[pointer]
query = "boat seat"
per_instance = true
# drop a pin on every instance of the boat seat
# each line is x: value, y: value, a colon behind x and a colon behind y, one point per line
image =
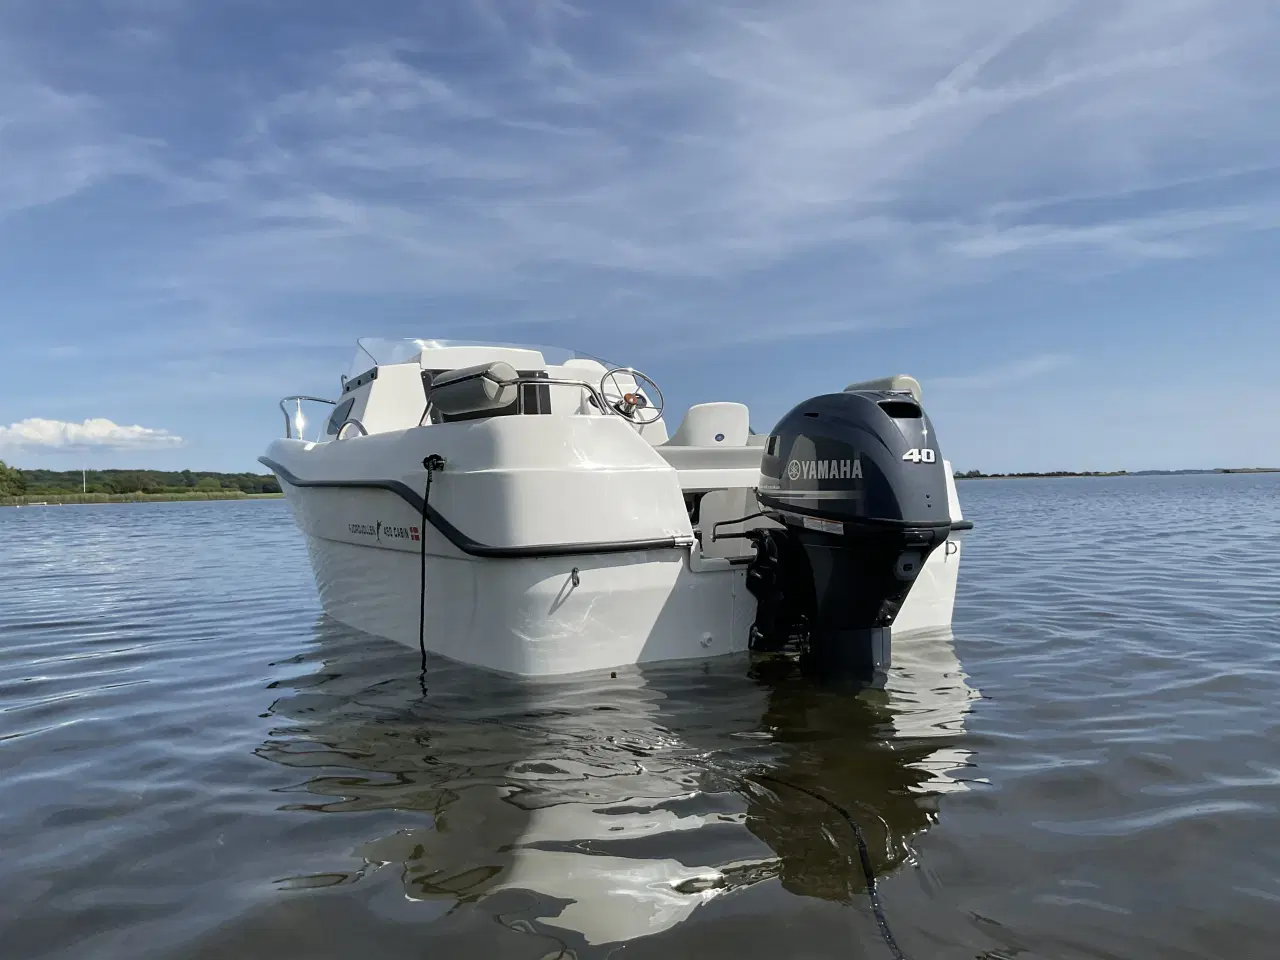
x: 898, y: 383
x: 713, y: 425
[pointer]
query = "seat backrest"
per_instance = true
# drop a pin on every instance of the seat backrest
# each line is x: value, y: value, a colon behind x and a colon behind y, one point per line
x: 720, y: 424
x: 899, y: 382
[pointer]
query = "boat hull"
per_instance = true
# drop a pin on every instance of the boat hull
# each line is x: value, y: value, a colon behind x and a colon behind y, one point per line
x: 542, y: 616
x: 530, y: 616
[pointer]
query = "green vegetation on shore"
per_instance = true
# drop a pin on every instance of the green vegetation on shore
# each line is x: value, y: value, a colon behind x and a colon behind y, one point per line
x: 56, y: 499
x: 19, y: 486
x: 979, y: 475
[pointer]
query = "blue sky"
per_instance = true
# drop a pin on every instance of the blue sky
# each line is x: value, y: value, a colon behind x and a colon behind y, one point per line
x: 1061, y: 217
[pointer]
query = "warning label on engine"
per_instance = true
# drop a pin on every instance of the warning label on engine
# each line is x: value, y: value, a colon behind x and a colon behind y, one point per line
x: 825, y: 526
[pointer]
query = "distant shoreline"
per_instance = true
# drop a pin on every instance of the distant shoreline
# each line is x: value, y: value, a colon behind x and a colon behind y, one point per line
x: 75, y: 499
x: 72, y: 499
x: 977, y: 475
x: 20, y: 487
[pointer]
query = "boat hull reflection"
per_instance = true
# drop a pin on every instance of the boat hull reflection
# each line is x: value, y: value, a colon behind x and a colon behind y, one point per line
x: 606, y: 808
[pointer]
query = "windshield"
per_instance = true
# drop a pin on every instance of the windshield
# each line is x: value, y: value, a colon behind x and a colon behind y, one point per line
x: 380, y: 351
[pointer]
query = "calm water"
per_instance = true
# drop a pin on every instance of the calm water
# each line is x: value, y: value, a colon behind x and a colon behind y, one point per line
x: 196, y: 764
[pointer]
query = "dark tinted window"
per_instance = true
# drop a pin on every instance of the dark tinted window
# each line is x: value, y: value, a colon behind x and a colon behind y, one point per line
x: 340, y: 414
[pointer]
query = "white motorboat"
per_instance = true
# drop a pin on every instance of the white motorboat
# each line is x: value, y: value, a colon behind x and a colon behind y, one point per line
x: 524, y: 509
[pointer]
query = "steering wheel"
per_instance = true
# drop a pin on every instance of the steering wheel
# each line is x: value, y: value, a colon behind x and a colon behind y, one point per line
x: 629, y: 403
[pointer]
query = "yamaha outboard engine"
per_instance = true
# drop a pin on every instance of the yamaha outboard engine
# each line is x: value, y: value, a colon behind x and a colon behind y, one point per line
x: 858, y: 483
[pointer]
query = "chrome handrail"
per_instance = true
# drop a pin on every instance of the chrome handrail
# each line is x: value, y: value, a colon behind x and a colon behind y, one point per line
x: 288, y: 424
x: 359, y: 426
x: 558, y: 382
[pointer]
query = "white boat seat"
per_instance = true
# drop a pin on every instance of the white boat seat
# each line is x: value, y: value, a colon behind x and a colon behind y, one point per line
x: 898, y: 383
x: 713, y: 425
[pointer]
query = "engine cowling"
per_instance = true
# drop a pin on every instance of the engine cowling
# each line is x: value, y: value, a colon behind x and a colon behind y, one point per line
x: 858, y: 483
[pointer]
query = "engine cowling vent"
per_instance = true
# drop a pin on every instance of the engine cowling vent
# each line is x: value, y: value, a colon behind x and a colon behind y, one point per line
x: 902, y: 409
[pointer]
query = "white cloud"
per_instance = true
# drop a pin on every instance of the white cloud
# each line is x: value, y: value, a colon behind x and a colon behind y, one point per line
x: 36, y: 433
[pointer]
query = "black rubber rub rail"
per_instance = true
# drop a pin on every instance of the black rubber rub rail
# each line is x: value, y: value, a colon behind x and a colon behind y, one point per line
x: 473, y: 547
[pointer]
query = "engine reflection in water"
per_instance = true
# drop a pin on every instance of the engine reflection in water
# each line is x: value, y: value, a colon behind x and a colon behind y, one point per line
x: 601, y: 809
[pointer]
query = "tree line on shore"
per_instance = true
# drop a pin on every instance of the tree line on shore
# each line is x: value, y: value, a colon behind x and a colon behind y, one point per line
x: 15, y: 482
x: 974, y: 474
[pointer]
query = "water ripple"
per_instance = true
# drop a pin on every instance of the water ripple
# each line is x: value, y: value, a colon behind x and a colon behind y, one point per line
x: 197, y: 764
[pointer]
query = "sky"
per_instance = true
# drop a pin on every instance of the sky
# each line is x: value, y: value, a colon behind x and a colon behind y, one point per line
x: 1060, y: 217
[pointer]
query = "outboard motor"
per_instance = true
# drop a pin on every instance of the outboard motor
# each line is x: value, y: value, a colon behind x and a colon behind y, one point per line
x: 859, y: 485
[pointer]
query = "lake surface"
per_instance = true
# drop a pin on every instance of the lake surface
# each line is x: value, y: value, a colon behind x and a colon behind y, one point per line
x: 195, y: 763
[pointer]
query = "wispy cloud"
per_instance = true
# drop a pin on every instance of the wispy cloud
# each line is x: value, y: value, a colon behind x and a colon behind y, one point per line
x: 1017, y: 371
x: 54, y: 145
x: 511, y: 148
x: 97, y: 433
x: 1172, y: 235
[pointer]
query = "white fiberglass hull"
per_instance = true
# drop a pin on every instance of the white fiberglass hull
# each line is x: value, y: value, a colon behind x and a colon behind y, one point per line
x: 527, y: 617
x: 536, y: 616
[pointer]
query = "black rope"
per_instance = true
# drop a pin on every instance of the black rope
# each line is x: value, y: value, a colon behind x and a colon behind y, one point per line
x: 863, y: 854
x: 432, y: 463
